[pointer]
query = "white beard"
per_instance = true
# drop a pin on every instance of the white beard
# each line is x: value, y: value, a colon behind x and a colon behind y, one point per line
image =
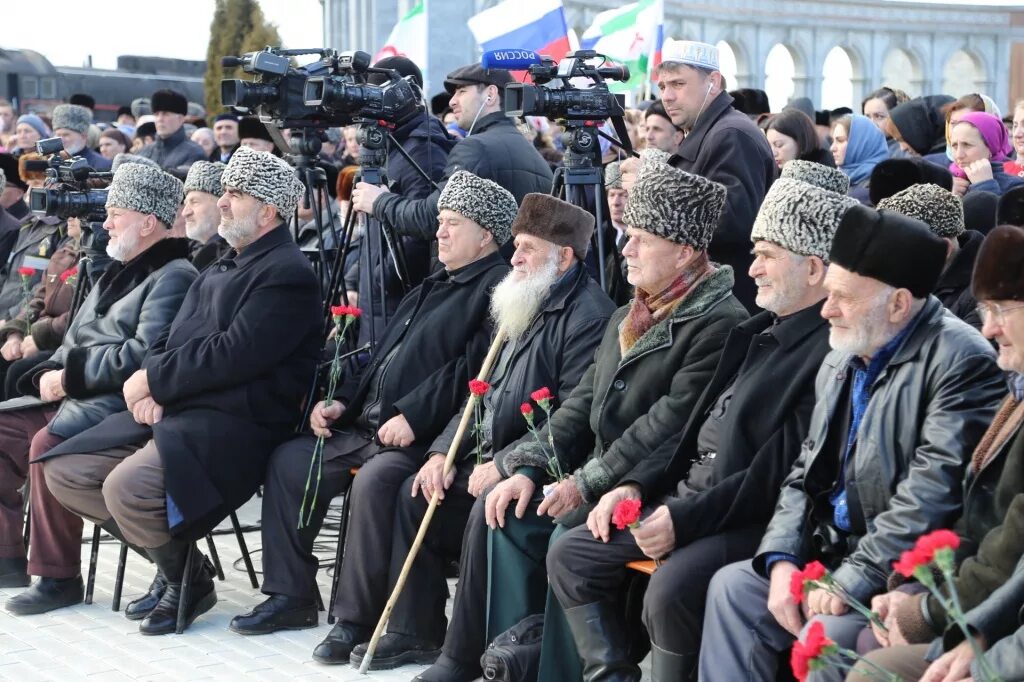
x: 514, y: 303
x: 873, y: 332
x: 237, y: 231
x: 125, y: 245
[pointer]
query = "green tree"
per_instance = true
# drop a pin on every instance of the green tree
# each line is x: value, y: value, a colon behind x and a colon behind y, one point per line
x: 238, y: 26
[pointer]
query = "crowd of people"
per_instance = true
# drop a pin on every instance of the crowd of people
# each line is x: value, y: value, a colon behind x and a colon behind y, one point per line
x: 808, y: 347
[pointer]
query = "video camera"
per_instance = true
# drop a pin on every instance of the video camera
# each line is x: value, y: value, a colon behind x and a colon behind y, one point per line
x: 333, y: 91
x: 568, y: 102
x: 67, y: 192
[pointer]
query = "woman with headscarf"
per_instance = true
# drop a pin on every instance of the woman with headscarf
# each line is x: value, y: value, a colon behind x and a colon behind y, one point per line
x: 857, y: 147
x: 28, y: 130
x: 980, y: 147
x: 1016, y: 167
x: 877, y: 105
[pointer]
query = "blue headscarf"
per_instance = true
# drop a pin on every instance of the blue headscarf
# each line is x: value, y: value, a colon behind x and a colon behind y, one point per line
x: 865, y: 149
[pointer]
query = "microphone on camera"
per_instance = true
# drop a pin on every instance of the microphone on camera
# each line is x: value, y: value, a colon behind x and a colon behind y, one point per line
x: 512, y: 59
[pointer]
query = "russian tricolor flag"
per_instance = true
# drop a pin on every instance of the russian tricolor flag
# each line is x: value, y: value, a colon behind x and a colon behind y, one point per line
x: 538, y: 25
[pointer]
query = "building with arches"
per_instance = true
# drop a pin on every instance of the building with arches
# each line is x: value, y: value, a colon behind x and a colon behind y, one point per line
x: 922, y: 48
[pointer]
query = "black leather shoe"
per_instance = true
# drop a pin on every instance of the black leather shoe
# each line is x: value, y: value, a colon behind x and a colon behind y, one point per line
x: 137, y: 609
x: 337, y: 646
x: 279, y: 612
x: 14, y: 572
x: 447, y: 669
x: 163, y: 619
x: 47, y: 594
x: 395, y: 649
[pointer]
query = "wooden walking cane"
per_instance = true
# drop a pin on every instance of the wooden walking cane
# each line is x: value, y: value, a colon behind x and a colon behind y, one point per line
x: 449, y: 462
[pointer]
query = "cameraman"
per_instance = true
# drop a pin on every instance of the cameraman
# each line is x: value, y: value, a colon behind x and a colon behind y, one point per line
x: 493, y: 149
x: 71, y: 124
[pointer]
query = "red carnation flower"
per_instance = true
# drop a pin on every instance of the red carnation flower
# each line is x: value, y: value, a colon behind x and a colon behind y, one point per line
x: 526, y: 409
x: 924, y: 551
x: 69, y: 273
x: 626, y: 514
x: 26, y: 271
x: 478, y: 388
x: 804, y: 653
x: 345, y: 310
x: 812, y: 572
x: 541, y: 394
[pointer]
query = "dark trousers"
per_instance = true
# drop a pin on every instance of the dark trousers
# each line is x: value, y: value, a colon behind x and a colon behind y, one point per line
x: 12, y: 371
x: 289, y: 566
x: 584, y: 570
x: 420, y: 610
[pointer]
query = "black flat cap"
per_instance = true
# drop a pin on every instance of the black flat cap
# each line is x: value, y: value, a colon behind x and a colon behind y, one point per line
x: 474, y: 74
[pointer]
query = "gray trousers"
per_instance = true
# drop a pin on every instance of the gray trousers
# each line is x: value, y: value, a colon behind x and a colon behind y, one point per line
x: 743, y: 641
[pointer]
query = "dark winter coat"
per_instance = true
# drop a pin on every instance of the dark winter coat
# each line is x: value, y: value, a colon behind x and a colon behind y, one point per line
x: 205, y: 255
x: 1001, y: 182
x: 97, y: 161
x: 759, y: 439
x: 554, y: 352
x: 927, y: 411
x: 45, y: 316
x: 231, y: 374
x: 444, y: 332
x: 37, y: 240
x: 954, y: 287
x: 496, y: 151
x: 627, y: 406
x: 175, y: 153
x: 119, y: 322
x: 727, y: 147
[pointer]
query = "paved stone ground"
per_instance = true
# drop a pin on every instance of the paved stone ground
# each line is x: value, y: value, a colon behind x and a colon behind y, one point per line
x: 92, y: 642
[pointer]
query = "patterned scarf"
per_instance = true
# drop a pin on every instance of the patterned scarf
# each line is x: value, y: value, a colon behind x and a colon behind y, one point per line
x: 648, y: 310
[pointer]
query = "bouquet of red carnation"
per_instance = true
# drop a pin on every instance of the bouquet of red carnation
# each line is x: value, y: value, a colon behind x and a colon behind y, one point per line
x: 815, y: 575
x: 542, y: 396
x: 343, y: 316
x: 818, y: 652
x: 477, y: 389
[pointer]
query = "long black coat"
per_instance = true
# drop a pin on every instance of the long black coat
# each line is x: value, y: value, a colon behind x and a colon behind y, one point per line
x: 231, y: 374
x: 765, y: 423
x: 444, y: 331
x: 726, y: 146
x: 954, y: 287
x: 496, y: 151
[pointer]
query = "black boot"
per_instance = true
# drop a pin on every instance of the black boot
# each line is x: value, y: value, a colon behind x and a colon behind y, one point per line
x: 395, y: 649
x: 137, y: 609
x: 338, y: 645
x: 14, y: 572
x: 601, y: 643
x: 447, y: 669
x: 669, y: 667
x: 47, y: 594
x: 279, y: 612
x: 171, y: 559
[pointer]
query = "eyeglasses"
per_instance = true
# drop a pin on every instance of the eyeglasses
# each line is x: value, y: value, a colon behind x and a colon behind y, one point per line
x: 996, y: 313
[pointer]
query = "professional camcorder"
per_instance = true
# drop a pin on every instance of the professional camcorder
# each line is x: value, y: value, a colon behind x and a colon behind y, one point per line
x: 67, y: 192
x: 333, y: 91
x: 566, y: 101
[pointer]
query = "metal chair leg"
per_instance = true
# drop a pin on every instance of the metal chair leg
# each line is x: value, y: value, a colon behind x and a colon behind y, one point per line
x: 94, y: 556
x: 122, y: 559
x: 342, y: 532
x: 186, y: 589
x: 245, y: 552
x: 214, y: 556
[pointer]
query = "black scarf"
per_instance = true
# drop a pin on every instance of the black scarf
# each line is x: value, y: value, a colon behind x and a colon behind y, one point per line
x: 121, y: 278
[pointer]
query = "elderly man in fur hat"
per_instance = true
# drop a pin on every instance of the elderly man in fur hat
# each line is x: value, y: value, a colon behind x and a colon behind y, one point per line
x: 203, y: 189
x: 218, y: 392
x: 384, y: 420
x: 712, y: 501
x: 900, y: 403
x: 943, y: 212
x: 124, y: 316
x: 172, y: 148
x: 655, y: 358
x: 990, y: 571
x: 71, y: 124
x: 554, y: 314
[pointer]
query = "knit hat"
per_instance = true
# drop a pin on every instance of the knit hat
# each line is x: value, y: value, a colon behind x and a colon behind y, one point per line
x: 999, y: 268
x: 670, y: 203
x: 817, y: 174
x: 169, y: 100
x: 204, y: 176
x: 800, y: 217
x: 1010, y: 209
x: 894, y: 175
x: 894, y: 249
x: 555, y: 221
x: 142, y: 188
x: 937, y: 208
x: 265, y: 177
x: 9, y: 167
x: 613, y: 176
x: 71, y: 117
x: 35, y: 122
x: 486, y: 203
x: 125, y: 157
x: 403, y: 65
x: 141, y: 107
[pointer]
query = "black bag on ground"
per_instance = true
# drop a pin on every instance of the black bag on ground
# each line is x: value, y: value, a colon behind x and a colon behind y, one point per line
x: 514, y: 655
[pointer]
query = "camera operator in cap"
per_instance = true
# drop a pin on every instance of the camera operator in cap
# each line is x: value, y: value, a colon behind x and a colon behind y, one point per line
x: 171, y: 149
x: 218, y: 392
x: 722, y: 144
x: 125, y: 314
x: 494, y: 149
x: 71, y: 124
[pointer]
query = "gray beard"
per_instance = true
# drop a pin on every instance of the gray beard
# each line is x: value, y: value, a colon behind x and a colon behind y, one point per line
x: 514, y: 304
x: 238, y: 232
x: 123, y: 247
x: 201, y: 233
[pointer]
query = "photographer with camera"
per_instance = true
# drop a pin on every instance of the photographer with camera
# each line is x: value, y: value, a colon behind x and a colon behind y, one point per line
x: 172, y: 149
x: 71, y: 124
x: 494, y: 149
